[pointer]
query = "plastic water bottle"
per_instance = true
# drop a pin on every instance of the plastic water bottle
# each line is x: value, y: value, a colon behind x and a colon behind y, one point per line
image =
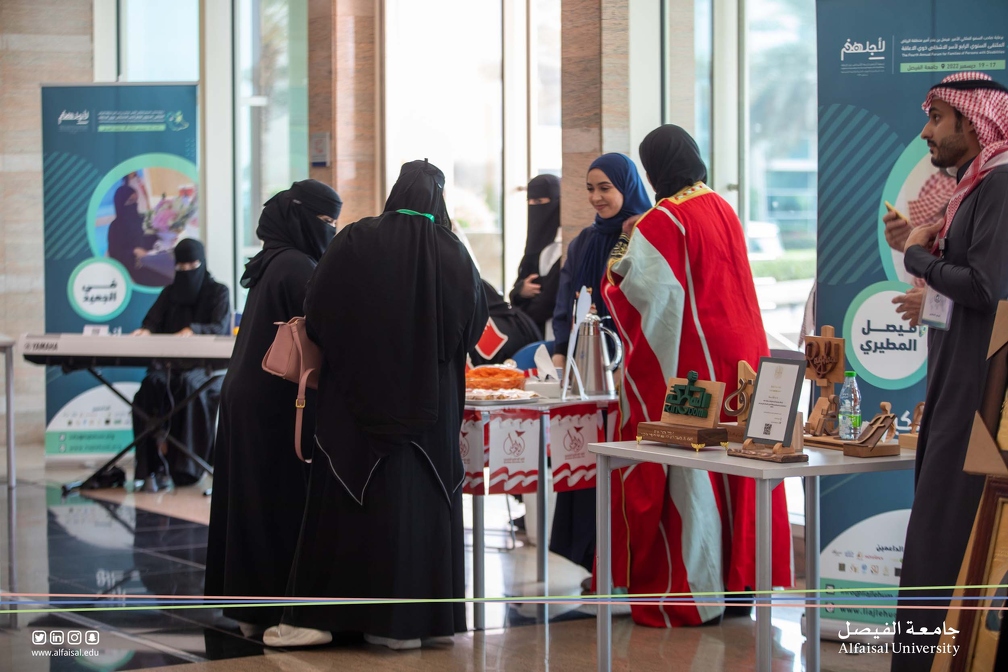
x: 849, y: 412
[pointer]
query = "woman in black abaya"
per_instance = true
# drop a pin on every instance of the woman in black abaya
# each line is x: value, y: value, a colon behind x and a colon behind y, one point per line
x: 259, y: 483
x: 194, y: 303
x: 535, y: 291
x: 395, y: 304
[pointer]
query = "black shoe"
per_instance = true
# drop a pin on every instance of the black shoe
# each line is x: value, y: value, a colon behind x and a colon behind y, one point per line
x: 164, y: 481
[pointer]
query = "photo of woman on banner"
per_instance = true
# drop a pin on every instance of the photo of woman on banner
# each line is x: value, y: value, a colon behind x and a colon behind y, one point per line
x: 146, y: 228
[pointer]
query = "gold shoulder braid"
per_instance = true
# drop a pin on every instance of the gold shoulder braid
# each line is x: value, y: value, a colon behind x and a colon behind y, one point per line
x: 692, y: 191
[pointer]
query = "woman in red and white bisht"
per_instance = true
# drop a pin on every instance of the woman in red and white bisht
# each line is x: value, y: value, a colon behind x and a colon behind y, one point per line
x: 681, y: 294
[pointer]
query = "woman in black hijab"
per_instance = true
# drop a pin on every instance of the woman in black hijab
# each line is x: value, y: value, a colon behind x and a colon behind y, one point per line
x: 259, y: 483
x: 535, y: 290
x: 395, y: 304
x: 194, y: 303
x: 127, y: 242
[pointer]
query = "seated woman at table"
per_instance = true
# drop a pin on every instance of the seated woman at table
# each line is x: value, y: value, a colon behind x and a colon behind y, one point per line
x: 194, y: 303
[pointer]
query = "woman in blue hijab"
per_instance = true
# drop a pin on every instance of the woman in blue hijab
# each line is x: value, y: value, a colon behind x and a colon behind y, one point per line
x: 617, y: 193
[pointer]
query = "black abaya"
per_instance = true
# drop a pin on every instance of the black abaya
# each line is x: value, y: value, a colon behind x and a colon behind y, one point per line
x: 162, y: 388
x: 395, y: 304
x: 260, y: 486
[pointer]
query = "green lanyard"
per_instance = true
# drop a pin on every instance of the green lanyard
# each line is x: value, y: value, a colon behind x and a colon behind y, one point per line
x: 418, y: 214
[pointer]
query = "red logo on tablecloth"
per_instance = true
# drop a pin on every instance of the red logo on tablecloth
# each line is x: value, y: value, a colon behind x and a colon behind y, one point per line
x: 573, y: 441
x: 491, y: 341
x: 464, y: 447
x: 514, y: 444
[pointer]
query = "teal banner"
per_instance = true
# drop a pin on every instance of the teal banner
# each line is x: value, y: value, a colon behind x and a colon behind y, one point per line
x: 120, y: 189
x: 876, y: 62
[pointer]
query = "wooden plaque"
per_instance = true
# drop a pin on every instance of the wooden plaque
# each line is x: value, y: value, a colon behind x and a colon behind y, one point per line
x: 678, y: 435
x: 824, y: 357
x: 690, y: 402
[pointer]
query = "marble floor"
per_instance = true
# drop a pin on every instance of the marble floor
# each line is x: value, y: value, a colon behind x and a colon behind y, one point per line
x: 60, y: 550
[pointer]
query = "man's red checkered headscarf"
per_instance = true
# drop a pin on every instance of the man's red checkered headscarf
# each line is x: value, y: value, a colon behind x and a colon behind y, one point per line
x: 985, y: 103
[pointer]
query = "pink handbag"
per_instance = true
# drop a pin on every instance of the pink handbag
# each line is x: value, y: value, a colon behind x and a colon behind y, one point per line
x: 294, y: 357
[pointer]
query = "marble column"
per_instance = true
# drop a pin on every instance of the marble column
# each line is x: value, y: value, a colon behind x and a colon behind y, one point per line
x: 41, y: 41
x: 344, y: 100
x: 595, y: 87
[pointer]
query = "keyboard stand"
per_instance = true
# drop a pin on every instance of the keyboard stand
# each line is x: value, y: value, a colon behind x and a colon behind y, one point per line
x: 93, y: 481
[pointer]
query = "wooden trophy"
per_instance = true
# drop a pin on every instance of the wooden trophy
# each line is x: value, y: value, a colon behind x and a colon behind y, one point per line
x: 689, y: 415
x: 777, y: 452
x: 878, y: 437
x: 824, y: 365
x: 738, y: 403
x: 909, y: 440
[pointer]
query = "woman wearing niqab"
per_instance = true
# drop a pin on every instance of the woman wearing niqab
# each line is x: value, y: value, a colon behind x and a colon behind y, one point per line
x: 394, y: 304
x: 260, y: 485
x: 194, y: 303
x: 535, y: 290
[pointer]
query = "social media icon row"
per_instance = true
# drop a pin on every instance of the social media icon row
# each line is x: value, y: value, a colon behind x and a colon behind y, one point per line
x: 59, y: 638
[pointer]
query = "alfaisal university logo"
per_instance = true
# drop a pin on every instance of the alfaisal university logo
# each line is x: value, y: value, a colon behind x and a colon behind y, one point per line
x: 76, y: 118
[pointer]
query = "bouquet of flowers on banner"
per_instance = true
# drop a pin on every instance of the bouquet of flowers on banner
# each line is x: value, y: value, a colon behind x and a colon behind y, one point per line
x: 172, y: 215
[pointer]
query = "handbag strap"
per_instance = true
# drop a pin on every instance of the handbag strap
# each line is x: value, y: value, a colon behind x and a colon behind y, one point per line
x: 299, y: 402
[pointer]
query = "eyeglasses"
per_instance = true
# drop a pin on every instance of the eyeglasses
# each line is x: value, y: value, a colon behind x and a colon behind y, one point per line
x: 188, y: 265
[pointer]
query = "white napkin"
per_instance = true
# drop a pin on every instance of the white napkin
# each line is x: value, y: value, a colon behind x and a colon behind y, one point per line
x: 544, y: 364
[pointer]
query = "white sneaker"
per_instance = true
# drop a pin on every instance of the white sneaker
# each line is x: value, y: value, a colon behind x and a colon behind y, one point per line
x: 394, y: 644
x: 290, y: 635
x: 251, y: 630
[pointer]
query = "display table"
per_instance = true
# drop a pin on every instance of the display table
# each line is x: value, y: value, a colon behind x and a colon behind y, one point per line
x: 767, y: 475
x: 542, y: 501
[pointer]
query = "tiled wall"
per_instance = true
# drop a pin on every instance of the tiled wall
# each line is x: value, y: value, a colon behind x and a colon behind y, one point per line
x: 595, y: 111
x: 342, y: 100
x: 41, y: 41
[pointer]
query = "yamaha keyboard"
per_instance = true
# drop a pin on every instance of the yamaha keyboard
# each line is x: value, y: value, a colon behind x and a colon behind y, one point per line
x: 77, y: 351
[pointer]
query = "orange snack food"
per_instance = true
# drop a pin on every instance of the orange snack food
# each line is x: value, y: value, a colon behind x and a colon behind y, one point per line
x: 495, y: 378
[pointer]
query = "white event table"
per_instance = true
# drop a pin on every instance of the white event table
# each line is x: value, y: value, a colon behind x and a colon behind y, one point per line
x: 542, y: 499
x: 822, y: 462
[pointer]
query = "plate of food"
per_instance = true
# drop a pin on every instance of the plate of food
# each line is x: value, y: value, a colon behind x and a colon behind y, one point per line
x: 495, y: 397
x: 495, y: 377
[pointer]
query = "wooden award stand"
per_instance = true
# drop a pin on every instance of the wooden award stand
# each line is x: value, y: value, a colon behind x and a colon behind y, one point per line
x: 909, y: 440
x: 689, y: 415
x: 777, y: 452
x: 878, y: 437
x: 738, y: 403
x: 824, y: 364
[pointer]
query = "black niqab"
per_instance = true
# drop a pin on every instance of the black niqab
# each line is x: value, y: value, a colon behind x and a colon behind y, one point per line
x: 186, y: 286
x: 671, y: 160
x: 543, y: 222
x: 290, y: 220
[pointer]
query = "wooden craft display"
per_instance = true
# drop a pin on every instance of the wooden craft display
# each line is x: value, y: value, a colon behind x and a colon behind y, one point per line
x: 689, y: 415
x: 739, y: 403
x: 908, y: 440
x: 878, y: 437
x: 824, y: 365
x: 777, y: 452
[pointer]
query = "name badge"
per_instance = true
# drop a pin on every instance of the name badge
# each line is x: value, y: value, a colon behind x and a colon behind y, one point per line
x: 936, y: 309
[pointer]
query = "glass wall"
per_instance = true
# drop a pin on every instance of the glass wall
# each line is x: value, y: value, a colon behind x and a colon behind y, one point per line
x: 782, y: 158
x: 545, y: 146
x: 159, y: 40
x: 271, y: 110
x: 458, y: 128
x: 703, y: 53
